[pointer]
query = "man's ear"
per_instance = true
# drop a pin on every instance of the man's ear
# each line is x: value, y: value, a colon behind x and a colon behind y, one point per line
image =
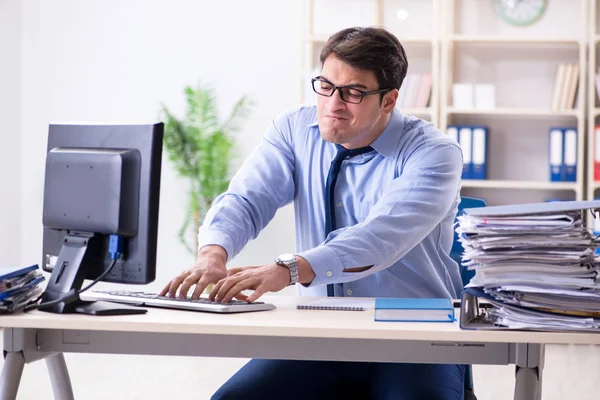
x: 389, y: 101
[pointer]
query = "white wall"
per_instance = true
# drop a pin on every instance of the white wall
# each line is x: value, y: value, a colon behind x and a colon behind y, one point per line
x: 100, y: 60
x: 10, y: 132
x: 117, y: 61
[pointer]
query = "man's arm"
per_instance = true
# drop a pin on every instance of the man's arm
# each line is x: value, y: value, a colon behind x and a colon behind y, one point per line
x: 263, y: 184
x: 409, y: 209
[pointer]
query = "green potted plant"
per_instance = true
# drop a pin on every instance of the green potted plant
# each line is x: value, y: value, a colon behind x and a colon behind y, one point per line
x: 200, y: 147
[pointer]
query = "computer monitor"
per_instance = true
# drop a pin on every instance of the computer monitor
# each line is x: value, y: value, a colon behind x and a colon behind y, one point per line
x: 101, y: 188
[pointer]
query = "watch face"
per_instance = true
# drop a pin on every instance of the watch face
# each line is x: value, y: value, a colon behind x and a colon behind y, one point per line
x: 520, y: 12
x: 286, y: 257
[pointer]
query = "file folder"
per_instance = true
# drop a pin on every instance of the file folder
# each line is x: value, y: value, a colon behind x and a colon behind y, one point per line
x: 570, y: 154
x: 465, y: 139
x: 480, y: 139
x: 556, y: 154
x: 453, y: 132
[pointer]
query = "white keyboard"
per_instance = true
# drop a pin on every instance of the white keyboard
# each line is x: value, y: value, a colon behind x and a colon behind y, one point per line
x: 154, y: 300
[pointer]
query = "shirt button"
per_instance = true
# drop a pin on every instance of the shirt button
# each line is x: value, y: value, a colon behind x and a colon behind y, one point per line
x: 329, y: 274
x: 349, y: 292
x: 339, y: 205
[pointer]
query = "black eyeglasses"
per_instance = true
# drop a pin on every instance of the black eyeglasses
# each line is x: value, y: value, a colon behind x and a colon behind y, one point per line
x: 349, y: 94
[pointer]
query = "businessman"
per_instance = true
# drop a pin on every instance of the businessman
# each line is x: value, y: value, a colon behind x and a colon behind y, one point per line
x: 375, y: 194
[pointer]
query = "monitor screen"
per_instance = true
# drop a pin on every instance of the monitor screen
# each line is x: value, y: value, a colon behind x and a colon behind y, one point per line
x: 102, y: 183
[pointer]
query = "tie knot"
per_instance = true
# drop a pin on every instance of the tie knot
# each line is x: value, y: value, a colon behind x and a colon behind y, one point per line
x: 344, y: 152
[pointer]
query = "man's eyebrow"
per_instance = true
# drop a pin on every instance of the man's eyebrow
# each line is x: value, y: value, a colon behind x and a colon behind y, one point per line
x: 352, y: 85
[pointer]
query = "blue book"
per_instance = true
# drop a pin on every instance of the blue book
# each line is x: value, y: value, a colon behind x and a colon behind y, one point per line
x: 414, y: 310
x: 12, y: 272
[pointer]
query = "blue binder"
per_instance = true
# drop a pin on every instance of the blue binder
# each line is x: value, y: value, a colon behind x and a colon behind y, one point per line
x: 570, y: 154
x: 465, y: 139
x: 556, y: 154
x: 480, y: 150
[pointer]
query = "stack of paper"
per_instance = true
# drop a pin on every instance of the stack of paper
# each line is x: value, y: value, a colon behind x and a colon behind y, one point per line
x: 19, y: 286
x: 538, y: 268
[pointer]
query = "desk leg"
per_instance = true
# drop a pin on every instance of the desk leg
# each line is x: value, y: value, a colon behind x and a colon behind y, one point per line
x: 529, y: 363
x: 14, y: 361
x: 59, y: 377
x: 22, y: 346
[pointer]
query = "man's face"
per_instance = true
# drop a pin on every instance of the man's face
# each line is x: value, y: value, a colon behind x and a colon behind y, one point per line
x: 351, y: 125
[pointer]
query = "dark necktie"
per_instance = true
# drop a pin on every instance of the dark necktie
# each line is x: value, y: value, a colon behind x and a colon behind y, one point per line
x: 334, y: 170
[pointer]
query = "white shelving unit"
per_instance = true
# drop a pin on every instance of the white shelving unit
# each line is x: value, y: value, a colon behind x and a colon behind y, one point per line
x: 465, y: 41
x: 518, y: 133
x: 422, y: 49
x: 593, y: 112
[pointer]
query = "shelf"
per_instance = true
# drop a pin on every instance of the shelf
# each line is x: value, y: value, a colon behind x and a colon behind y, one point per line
x: 531, y: 185
x: 596, y: 111
x: 415, y: 111
x: 526, y: 112
x: 597, y: 38
x: 414, y: 40
x: 513, y: 39
x: 595, y: 185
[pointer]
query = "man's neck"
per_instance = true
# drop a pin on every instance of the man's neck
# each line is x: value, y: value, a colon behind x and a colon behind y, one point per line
x: 377, y: 130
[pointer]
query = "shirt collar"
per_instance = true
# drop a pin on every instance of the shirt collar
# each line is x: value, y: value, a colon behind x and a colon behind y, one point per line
x: 387, y: 143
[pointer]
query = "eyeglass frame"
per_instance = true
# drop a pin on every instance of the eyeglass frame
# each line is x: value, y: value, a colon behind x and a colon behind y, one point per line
x: 336, y: 87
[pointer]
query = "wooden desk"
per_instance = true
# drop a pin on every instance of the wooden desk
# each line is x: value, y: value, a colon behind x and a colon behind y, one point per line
x: 284, y: 333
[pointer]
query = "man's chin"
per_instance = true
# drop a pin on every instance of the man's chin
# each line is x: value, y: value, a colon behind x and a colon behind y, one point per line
x: 332, y: 136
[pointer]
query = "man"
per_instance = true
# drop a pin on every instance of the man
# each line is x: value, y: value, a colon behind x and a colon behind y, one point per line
x: 373, y: 222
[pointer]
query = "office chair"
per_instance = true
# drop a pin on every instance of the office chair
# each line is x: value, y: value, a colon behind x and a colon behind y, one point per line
x: 466, y: 275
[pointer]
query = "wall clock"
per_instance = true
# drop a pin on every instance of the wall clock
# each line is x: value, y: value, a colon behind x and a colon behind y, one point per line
x: 520, y: 12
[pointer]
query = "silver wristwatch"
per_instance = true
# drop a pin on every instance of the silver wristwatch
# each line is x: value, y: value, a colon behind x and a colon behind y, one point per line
x: 289, y: 261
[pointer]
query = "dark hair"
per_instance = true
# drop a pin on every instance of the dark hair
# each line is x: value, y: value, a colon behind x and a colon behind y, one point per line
x: 370, y: 49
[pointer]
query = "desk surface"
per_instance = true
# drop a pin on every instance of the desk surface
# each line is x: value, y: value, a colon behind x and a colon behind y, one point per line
x: 287, y: 321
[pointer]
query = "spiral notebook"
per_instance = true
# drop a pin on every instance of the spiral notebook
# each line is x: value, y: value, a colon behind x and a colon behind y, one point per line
x: 338, y: 304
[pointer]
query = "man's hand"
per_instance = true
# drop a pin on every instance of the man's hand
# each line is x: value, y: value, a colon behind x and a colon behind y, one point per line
x: 261, y: 279
x: 209, y: 268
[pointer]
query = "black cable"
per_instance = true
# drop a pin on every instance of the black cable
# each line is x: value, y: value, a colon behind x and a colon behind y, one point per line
x: 72, y: 294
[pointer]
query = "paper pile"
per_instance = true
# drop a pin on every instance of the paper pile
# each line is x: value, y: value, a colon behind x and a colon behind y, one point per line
x: 19, y: 286
x: 538, y: 268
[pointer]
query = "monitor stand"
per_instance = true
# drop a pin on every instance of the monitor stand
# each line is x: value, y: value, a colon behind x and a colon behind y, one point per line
x: 67, y: 277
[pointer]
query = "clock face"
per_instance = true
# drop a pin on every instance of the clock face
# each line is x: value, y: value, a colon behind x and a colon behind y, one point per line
x: 520, y: 12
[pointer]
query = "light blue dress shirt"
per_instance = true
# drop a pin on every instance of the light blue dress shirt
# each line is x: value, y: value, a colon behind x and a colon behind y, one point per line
x: 395, y: 207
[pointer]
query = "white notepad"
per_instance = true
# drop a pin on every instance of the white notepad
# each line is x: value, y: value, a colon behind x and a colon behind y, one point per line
x: 338, y: 304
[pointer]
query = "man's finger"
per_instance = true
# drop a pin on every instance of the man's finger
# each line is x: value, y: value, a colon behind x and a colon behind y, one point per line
x: 190, y: 280
x: 233, y: 271
x: 226, y: 286
x: 237, y: 289
x: 215, y: 290
x: 165, y: 289
x: 241, y: 296
x: 255, y: 295
x: 201, y: 285
x: 175, y: 283
x: 198, y: 290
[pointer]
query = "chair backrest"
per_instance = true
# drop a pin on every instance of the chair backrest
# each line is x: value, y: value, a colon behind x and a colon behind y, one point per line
x: 457, y: 249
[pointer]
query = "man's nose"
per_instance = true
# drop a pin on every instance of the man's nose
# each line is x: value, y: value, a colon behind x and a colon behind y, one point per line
x: 335, y: 101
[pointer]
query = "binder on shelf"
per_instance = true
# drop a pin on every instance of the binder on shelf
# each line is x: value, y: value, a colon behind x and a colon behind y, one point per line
x: 597, y: 153
x: 556, y: 154
x: 452, y: 131
x: 570, y: 154
x: 479, y: 157
x: 465, y: 139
